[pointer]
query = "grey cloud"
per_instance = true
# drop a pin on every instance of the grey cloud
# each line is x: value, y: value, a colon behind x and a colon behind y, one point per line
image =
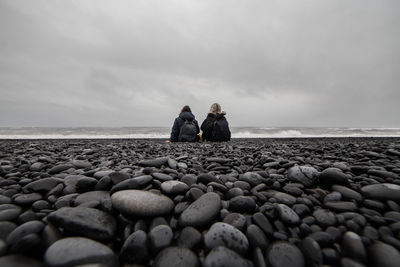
x: 279, y: 63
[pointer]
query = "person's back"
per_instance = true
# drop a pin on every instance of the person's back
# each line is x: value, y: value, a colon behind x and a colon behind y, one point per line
x: 215, y: 127
x: 220, y: 131
x: 185, y: 128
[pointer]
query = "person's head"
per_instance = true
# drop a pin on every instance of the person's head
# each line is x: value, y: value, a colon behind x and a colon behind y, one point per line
x: 185, y: 108
x: 215, y: 108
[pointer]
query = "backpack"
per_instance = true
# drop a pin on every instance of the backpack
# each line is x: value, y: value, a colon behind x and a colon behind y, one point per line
x: 220, y: 131
x: 188, y: 132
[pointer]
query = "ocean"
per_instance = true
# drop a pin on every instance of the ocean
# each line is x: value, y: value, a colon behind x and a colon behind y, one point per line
x: 164, y: 132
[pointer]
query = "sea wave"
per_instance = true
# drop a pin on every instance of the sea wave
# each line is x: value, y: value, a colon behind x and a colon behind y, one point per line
x: 164, y: 132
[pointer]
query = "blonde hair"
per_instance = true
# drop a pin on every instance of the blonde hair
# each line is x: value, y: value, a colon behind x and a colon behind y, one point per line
x: 215, y: 108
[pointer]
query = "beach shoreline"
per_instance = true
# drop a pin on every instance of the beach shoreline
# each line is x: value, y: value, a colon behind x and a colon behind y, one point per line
x: 247, y: 202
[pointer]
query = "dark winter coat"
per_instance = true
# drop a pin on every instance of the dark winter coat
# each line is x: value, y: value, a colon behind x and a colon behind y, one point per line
x: 208, y: 125
x: 179, y: 121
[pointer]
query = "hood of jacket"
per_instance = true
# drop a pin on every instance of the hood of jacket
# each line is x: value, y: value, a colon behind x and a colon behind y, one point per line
x: 187, y: 116
x: 217, y: 116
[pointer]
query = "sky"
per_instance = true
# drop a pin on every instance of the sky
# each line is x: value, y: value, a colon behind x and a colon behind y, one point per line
x: 310, y: 63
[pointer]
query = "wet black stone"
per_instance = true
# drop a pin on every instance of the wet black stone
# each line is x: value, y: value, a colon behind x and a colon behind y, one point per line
x: 330, y: 255
x: 207, y: 178
x: 348, y: 193
x: 383, y: 191
x: 324, y: 239
x: 88, y: 222
x: 334, y: 196
x: 59, y: 168
x: 117, y: 177
x: 235, y: 219
x: 189, y: 237
x: 353, y: 247
x: 331, y: 176
x: 50, y: 235
x: 341, y: 206
x: 135, y: 249
x: 18, y: 260
x: 176, y: 256
x: 287, y: 215
x: 4, y: 200
x: 303, y: 174
x: 160, y: 237
x: 223, y: 234
x: 9, y: 212
x: 252, y: 178
x: 157, y: 162
x: 262, y: 221
x: 312, y: 251
x: 301, y: 209
x: 222, y: 256
x: 43, y: 185
x: 6, y: 228
x: 382, y: 254
x: 15, y: 240
x: 324, y: 218
x: 256, y: 237
x: 75, y: 251
x: 242, y: 204
x: 347, y: 262
x: 201, y: 212
x: 283, y: 253
x: 27, y: 199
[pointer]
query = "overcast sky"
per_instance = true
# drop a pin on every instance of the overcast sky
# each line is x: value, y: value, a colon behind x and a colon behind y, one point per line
x: 136, y: 63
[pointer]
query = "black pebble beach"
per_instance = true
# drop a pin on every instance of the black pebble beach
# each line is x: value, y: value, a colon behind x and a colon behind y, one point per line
x: 248, y: 202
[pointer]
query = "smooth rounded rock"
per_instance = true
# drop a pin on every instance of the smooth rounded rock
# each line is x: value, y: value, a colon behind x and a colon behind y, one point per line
x: 242, y: 204
x: 284, y: 254
x: 383, y: 191
x: 174, y: 187
x: 235, y: 219
x: 142, y: 203
x: 324, y: 218
x: 353, y: 246
x: 18, y: 260
x: 89, y: 222
x: 77, y: 251
x: 331, y: 176
x: 312, y: 251
x: 92, y: 196
x: 224, y: 257
x: 160, y: 237
x: 59, y: 168
x: 288, y: 215
x: 6, y: 228
x: 341, y: 206
x: 383, y: 255
x: 223, y: 234
x: 43, y: 185
x: 157, y: 162
x: 348, y: 193
x: 135, y: 249
x: 252, y: 178
x: 201, y: 212
x: 27, y: 199
x: 23, y: 230
x: 303, y: 174
x: 176, y: 256
x: 189, y: 237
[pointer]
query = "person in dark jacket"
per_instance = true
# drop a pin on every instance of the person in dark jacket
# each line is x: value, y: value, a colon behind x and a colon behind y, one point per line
x: 215, y: 127
x: 185, y: 128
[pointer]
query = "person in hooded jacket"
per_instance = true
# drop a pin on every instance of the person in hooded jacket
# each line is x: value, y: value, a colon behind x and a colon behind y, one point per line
x: 185, y: 122
x: 215, y: 127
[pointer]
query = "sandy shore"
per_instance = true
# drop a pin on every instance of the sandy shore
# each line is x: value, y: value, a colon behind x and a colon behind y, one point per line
x: 248, y: 202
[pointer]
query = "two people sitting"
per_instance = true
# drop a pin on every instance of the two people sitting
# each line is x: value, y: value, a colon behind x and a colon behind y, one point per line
x: 215, y: 127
